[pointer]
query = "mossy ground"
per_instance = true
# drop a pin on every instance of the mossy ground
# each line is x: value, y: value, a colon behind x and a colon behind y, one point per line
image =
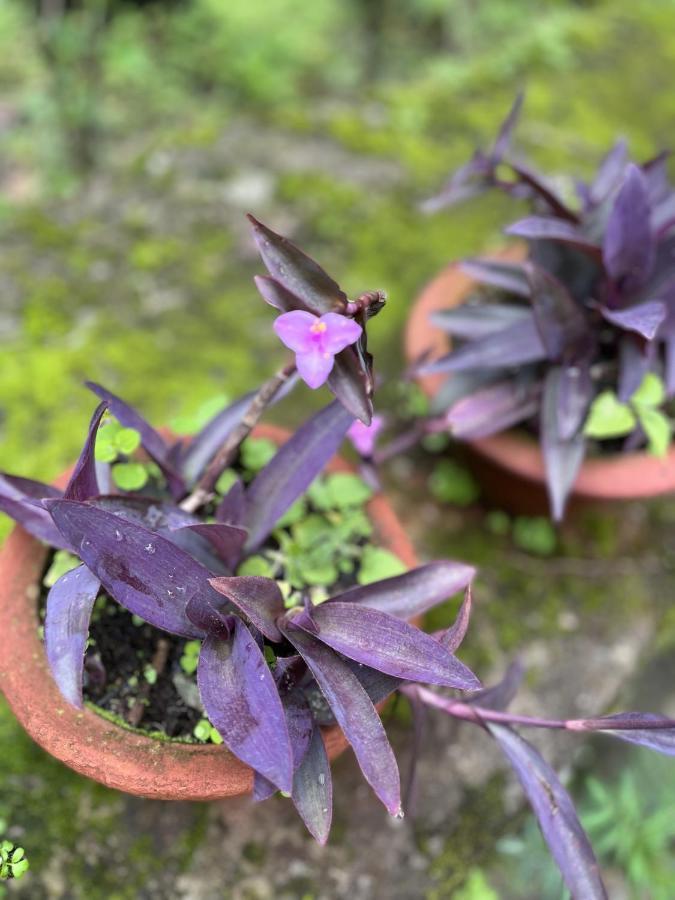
x: 138, y: 274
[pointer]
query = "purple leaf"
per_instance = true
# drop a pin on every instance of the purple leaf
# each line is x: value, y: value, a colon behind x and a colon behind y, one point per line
x: 232, y: 508
x: 68, y: 611
x: 646, y: 729
x: 227, y: 540
x: 20, y: 500
x: 387, y: 644
x: 644, y: 318
x: 562, y: 456
x: 513, y: 346
x: 557, y: 818
x: 628, y: 245
x: 503, y: 140
x: 274, y: 293
x: 635, y: 360
x: 505, y: 275
x: 560, y: 320
x: 258, y: 598
x: 83, y: 482
x: 610, y: 171
x: 376, y: 684
x: 541, y: 228
x: 288, y: 475
x: 313, y: 789
x: 574, y: 394
x: 471, y: 179
x: 355, y: 714
x: 493, y: 409
x: 154, y: 445
x: 243, y: 704
x: 500, y: 695
x: 414, y: 592
x: 543, y: 190
x: 452, y: 638
x: 471, y: 322
x: 141, y: 570
x: 203, y: 447
x: 351, y: 382
x: 263, y: 788
x: 297, y: 272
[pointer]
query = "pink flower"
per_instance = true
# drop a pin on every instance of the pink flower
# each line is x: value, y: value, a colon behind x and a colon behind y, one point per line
x: 315, y: 341
x: 363, y: 437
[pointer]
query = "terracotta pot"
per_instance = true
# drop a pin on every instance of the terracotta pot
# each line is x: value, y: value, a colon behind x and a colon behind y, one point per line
x: 88, y: 743
x: 510, y: 465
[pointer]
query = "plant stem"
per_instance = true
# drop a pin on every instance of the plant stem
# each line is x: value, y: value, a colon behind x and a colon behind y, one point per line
x: 159, y: 661
x: 204, y: 490
x: 478, y: 715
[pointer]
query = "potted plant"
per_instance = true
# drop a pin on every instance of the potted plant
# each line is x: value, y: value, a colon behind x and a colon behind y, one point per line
x: 564, y: 368
x: 221, y: 572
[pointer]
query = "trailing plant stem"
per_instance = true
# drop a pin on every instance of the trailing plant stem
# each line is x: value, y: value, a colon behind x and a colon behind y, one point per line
x: 204, y: 490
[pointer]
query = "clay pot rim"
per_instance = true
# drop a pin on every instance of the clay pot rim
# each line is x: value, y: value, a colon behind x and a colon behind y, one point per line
x: 103, y: 750
x: 619, y: 477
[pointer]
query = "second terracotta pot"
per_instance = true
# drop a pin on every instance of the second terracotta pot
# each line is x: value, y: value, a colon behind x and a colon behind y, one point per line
x: 103, y: 750
x: 510, y: 465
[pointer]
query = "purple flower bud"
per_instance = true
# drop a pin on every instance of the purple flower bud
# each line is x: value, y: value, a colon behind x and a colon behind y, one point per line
x: 364, y: 437
x: 315, y: 341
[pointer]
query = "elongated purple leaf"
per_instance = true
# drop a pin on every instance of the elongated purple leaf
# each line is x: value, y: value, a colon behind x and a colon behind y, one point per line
x: 274, y: 293
x: 560, y: 320
x: 555, y: 813
x: 562, y: 456
x: 376, y: 684
x: 351, y: 382
x: 505, y: 275
x: 644, y: 318
x: 20, y: 500
x: 141, y: 570
x: 414, y: 592
x: 575, y: 392
x: 452, y: 638
x: 476, y: 321
x: 297, y: 272
x: 541, y: 228
x: 635, y: 360
x: 513, y: 346
x: 152, y: 442
x: 628, y: 245
x: 227, y: 540
x: 493, y: 409
x: 313, y: 789
x: 203, y: 447
x: 610, y: 171
x: 646, y: 729
x: 232, y: 508
x: 500, y: 695
x: 355, y: 714
x: 83, y: 482
x: 258, y: 598
x: 390, y: 645
x: 68, y: 611
x: 470, y: 180
x: 288, y: 475
x: 503, y: 139
x: 243, y: 704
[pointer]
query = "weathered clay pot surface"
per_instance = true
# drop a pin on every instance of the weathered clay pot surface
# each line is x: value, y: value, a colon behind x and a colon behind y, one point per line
x: 622, y: 477
x: 95, y: 747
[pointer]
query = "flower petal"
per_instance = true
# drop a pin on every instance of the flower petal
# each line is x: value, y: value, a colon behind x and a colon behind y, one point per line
x: 293, y: 329
x: 314, y: 366
x: 340, y: 332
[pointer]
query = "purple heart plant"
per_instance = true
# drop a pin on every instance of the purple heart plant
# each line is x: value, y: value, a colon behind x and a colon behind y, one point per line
x: 257, y: 567
x: 576, y: 343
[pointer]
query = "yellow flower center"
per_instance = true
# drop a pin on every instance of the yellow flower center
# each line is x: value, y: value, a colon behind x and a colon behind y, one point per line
x: 318, y: 327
